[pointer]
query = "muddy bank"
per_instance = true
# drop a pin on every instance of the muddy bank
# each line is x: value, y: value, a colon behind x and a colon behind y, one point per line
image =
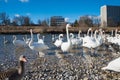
x: 40, y: 29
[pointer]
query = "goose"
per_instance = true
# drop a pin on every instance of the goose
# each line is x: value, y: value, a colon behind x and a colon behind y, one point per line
x: 113, y: 65
x: 18, y: 43
x: 66, y: 46
x: 59, y: 41
x: 15, y: 73
x: 37, y: 46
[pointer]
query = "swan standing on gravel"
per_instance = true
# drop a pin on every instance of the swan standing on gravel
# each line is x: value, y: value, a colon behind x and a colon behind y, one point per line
x: 37, y: 46
x: 113, y: 65
x: 66, y: 46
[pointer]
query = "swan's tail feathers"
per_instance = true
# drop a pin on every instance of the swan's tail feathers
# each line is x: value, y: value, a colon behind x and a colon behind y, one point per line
x: 104, y: 68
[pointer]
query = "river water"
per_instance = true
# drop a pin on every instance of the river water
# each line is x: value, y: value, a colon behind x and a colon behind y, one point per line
x: 9, y: 54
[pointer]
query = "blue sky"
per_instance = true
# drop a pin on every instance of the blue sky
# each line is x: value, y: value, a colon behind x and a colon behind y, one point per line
x: 43, y: 9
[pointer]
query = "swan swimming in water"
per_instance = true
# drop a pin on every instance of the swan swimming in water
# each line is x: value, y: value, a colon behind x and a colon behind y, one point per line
x: 59, y: 41
x: 37, y: 46
x: 5, y: 40
x: 40, y: 40
x: 75, y: 41
x: 18, y: 43
x: 66, y: 46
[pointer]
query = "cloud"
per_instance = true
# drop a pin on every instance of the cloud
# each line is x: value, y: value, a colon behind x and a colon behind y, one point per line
x: 66, y: 19
x: 17, y: 15
x: 23, y: 1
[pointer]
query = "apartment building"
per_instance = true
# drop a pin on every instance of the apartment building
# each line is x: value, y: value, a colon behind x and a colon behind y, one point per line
x: 57, y: 21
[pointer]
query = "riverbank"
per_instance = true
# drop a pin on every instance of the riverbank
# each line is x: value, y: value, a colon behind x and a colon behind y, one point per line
x: 40, y: 29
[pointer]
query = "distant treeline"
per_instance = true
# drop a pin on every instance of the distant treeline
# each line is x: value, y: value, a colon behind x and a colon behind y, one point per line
x: 20, y: 20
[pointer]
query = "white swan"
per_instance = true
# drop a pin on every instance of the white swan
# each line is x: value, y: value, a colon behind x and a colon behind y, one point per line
x: 113, y: 65
x: 26, y: 39
x: 115, y: 39
x: 40, y: 40
x: 73, y: 39
x: 76, y: 41
x: 91, y: 43
x: 66, y: 46
x: 88, y: 38
x: 18, y: 43
x: 5, y: 40
x: 59, y: 41
x: 37, y: 46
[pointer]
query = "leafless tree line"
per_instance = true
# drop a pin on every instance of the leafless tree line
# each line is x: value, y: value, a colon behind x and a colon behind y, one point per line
x: 83, y: 21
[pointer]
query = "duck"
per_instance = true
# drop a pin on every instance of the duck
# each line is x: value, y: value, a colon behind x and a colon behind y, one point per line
x: 15, y: 73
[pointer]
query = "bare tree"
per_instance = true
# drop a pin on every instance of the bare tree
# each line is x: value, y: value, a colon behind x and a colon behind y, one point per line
x: 27, y: 21
x: 95, y: 20
x: 85, y: 21
x: 4, y: 19
x: 76, y: 24
x: 45, y: 22
x: 22, y: 20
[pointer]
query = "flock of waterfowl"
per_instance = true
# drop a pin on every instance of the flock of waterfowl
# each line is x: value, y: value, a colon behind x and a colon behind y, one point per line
x: 89, y: 65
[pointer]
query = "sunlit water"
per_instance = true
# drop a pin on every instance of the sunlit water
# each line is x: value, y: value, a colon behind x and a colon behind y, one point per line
x: 10, y: 51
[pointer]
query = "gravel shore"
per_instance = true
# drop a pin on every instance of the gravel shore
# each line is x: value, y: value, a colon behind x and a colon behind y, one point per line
x: 66, y: 66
